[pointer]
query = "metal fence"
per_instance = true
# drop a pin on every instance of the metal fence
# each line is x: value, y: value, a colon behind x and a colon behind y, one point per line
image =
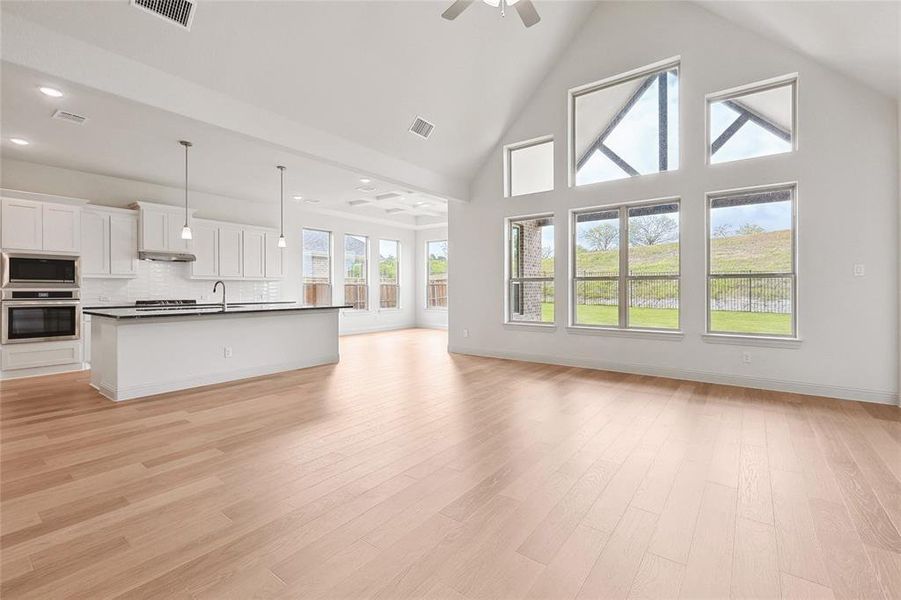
x: 751, y: 293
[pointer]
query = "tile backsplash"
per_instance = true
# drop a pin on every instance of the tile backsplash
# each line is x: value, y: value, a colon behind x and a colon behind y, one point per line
x: 159, y: 280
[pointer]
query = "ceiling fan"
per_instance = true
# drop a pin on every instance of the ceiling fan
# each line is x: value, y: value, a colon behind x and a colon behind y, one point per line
x: 525, y: 8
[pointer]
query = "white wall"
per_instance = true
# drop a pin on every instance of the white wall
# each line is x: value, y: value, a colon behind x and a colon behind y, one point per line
x: 429, y: 317
x: 846, y: 169
x: 157, y: 280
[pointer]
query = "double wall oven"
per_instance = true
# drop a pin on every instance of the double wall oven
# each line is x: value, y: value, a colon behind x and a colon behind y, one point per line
x: 39, y: 298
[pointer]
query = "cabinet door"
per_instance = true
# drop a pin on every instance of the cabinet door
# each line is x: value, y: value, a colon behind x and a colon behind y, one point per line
x: 175, y: 225
x: 230, y: 255
x: 62, y: 228
x: 154, y: 230
x: 254, y: 254
x: 274, y: 257
x: 206, y: 249
x: 95, y: 239
x: 22, y: 225
x: 123, y: 244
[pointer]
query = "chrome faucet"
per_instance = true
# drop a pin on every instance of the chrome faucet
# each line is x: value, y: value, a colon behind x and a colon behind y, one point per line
x: 215, y: 286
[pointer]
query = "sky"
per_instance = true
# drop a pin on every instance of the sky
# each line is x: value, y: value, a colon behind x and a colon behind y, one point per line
x: 772, y: 216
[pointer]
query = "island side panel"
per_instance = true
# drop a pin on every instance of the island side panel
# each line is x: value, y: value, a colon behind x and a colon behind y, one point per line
x: 166, y: 354
x: 104, y: 358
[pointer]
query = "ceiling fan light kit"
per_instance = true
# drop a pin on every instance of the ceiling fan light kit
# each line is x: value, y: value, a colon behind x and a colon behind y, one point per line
x: 524, y: 8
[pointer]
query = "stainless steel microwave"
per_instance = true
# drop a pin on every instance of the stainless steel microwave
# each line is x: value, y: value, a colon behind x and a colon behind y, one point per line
x: 40, y: 271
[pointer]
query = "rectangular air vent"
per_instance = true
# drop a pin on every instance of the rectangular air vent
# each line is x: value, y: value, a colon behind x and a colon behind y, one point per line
x: 179, y: 12
x: 394, y: 211
x: 69, y: 117
x: 422, y: 128
x: 366, y: 189
x: 388, y: 196
x: 358, y: 202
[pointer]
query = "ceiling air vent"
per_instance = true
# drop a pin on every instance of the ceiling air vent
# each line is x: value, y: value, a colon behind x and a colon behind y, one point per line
x: 70, y: 117
x: 422, y: 128
x: 358, y: 202
x: 179, y: 12
x: 394, y: 211
x: 366, y: 188
x: 388, y: 196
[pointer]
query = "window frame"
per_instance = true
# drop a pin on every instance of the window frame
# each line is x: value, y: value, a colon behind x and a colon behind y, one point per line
x: 509, y: 279
x: 366, y: 259
x: 331, y: 273
x: 509, y: 149
x: 426, y: 269
x: 745, y: 90
x: 710, y: 196
x: 668, y: 64
x: 397, y: 284
x: 623, y: 278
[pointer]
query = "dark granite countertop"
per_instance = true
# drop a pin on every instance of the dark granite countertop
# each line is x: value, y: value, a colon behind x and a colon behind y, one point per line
x: 202, y: 310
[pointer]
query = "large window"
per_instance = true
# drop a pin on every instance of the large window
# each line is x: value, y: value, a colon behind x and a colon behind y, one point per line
x: 530, y: 167
x: 626, y: 266
x: 751, y: 279
x: 389, y: 274
x: 356, y: 266
x: 317, y: 267
x: 626, y: 126
x: 754, y: 121
x: 436, y: 274
x: 530, y: 280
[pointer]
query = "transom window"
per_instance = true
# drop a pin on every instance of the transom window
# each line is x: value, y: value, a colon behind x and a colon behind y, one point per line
x: 754, y: 121
x: 436, y: 274
x: 530, y: 270
x: 356, y: 267
x: 626, y: 266
x: 751, y: 280
x: 389, y: 273
x: 317, y: 267
x: 530, y: 167
x: 626, y: 126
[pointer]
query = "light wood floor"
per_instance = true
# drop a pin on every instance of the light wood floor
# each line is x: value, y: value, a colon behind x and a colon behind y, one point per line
x: 407, y: 472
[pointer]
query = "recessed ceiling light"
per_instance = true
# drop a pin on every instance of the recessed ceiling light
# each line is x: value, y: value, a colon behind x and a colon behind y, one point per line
x: 365, y: 180
x: 298, y: 198
x: 19, y: 141
x: 52, y: 92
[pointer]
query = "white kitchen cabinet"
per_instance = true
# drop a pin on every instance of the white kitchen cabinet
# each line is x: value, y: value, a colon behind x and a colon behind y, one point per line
x: 254, y: 258
x: 154, y: 230
x: 33, y: 225
x: 231, y: 259
x: 61, y: 228
x: 95, y: 254
x: 123, y: 244
x: 22, y: 224
x: 206, y: 249
x: 275, y: 257
x: 109, y: 244
x: 86, y: 338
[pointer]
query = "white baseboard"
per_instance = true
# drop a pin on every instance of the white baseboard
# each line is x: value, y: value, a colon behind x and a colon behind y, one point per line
x: 778, y: 385
x: 152, y: 389
x: 430, y: 326
x: 376, y: 329
x: 40, y: 371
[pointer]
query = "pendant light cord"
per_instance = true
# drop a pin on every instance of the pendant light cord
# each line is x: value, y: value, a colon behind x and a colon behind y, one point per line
x: 187, y: 145
x: 282, y: 200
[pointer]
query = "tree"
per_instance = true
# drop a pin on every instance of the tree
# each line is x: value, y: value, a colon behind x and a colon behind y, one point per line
x: 750, y: 229
x: 653, y: 229
x: 601, y: 237
x: 723, y: 230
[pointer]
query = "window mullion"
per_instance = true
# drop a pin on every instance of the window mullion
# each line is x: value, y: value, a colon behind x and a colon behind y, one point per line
x: 623, y: 267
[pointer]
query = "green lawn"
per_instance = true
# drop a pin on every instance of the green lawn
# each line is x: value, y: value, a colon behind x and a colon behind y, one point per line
x: 668, y: 318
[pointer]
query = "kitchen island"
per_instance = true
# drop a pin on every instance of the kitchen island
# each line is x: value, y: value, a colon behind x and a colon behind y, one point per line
x: 140, y: 352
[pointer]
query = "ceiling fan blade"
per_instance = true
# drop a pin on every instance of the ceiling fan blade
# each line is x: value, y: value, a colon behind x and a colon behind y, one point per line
x: 455, y: 9
x: 527, y: 12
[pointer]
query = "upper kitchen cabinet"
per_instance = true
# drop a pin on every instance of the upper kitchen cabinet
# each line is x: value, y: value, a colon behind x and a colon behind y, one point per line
x: 206, y: 249
x: 160, y: 228
x: 275, y: 257
x: 109, y: 245
x: 40, y: 226
x: 254, y: 254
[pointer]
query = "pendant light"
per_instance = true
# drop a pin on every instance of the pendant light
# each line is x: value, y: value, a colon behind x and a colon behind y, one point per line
x: 281, y: 198
x: 186, y: 231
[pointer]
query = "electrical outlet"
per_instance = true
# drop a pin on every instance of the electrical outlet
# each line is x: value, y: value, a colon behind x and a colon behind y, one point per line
x: 746, y: 357
x: 227, y: 351
x: 465, y: 333
x: 859, y: 270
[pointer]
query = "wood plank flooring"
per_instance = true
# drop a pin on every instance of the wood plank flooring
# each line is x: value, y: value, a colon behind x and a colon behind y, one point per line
x: 407, y: 472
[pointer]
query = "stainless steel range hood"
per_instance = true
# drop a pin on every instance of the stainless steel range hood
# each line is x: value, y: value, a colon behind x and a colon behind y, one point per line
x: 166, y: 256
